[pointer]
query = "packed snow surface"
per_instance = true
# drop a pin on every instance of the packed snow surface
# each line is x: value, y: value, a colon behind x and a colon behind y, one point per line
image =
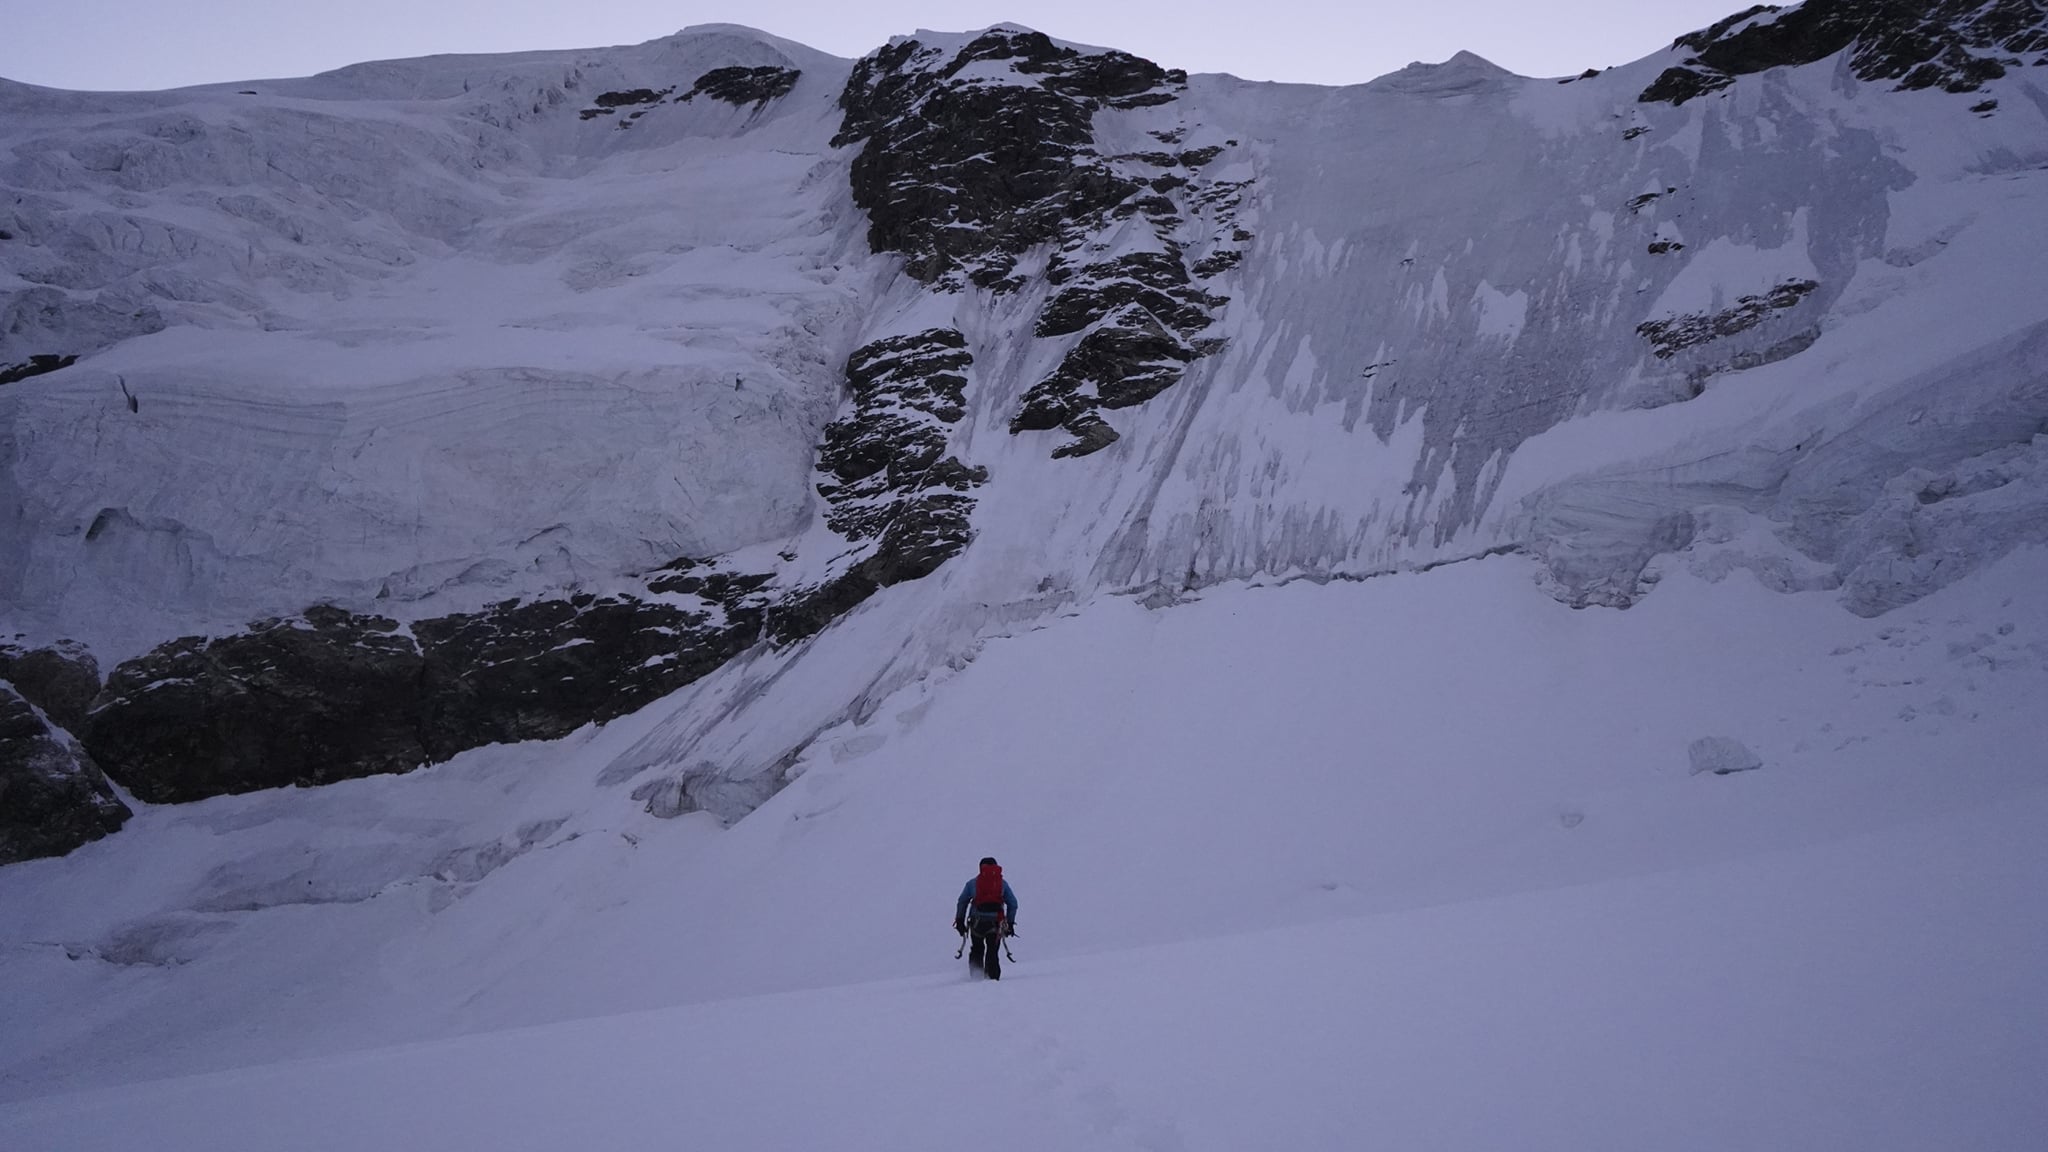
x: 1421, y: 858
x: 1733, y: 1005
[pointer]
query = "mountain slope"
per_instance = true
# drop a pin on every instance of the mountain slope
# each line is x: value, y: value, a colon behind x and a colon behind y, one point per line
x: 707, y: 479
x: 1272, y: 329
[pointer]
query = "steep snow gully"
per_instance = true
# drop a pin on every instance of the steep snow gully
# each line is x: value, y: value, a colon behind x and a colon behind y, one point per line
x: 1480, y: 611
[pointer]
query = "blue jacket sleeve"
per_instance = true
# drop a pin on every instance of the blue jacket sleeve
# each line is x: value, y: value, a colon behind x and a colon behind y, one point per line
x: 1009, y: 900
x: 966, y: 898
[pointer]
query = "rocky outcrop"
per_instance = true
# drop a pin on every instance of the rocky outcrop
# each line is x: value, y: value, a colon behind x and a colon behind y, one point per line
x: 1127, y: 360
x: 638, y: 99
x: 742, y: 86
x: 736, y: 86
x: 1955, y: 45
x: 1671, y: 336
x: 52, y: 797
x: 542, y: 669
x: 308, y: 700
x: 34, y: 366
x: 963, y: 171
x: 892, y: 491
x: 332, y: 695
x: 1156, y: 281
x: 1140, y: 314
x: 62, y: 679
x: 976, y: 155
x: 630, y: 97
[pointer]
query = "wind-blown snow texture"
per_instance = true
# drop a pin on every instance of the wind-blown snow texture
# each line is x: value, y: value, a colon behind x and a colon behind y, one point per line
x: 878, y: 445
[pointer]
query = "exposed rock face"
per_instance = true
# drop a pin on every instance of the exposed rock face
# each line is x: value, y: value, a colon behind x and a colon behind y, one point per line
x: 736, y: 86
x: 331, y: 695
x: 540, y: 670
x: 1670, y: 337
x: 892, y: 489
x: 311, y: 700
x: 629, y: 97
x: 52, y: 797
x: 961, y: 173
x: 61, y: 680
x: 967, y: 165
x: 34, y: 366
x: 1955, y: 45
x: 1156, y: 281
x: 1126, y: 361
x: 740, y: 86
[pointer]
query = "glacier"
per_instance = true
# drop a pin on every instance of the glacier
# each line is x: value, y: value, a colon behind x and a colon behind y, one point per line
x: 696, y: 480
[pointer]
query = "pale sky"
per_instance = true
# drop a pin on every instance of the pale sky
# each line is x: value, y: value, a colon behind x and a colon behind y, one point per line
x: 134, y: 44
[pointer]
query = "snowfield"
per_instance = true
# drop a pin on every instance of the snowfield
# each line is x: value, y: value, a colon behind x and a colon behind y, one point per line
x: 1420, y: 860
x: 1736, y: 1004
x: 1476, y: 612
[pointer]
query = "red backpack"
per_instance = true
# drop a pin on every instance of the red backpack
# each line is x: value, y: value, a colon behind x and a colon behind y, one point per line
x: 988, y: 886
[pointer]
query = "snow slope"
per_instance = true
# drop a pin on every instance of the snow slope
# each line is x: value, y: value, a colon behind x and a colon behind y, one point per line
x: 1736, y: 1004
x: 1269, y: 758
x: 424, y: 330
x: 1345, y: 801
x: 1375, y: 410
x: 432, y: 338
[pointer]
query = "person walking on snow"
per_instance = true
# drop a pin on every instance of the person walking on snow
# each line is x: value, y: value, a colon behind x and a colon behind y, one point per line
x: 995, y: 916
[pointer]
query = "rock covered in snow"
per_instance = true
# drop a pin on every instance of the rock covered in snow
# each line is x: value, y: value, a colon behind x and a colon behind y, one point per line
x: 1721, y: 755
x: 976, y: 152
x: 1955, y: 45
x: 901, y: 503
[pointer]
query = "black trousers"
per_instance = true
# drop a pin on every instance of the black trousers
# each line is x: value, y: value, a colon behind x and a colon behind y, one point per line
x: 985, y: 947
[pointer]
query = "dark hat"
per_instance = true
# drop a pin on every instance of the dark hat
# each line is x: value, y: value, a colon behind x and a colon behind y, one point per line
x: 988, y: 862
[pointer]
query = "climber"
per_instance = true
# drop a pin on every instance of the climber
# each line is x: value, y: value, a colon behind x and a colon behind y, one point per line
x: 994, y: 908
